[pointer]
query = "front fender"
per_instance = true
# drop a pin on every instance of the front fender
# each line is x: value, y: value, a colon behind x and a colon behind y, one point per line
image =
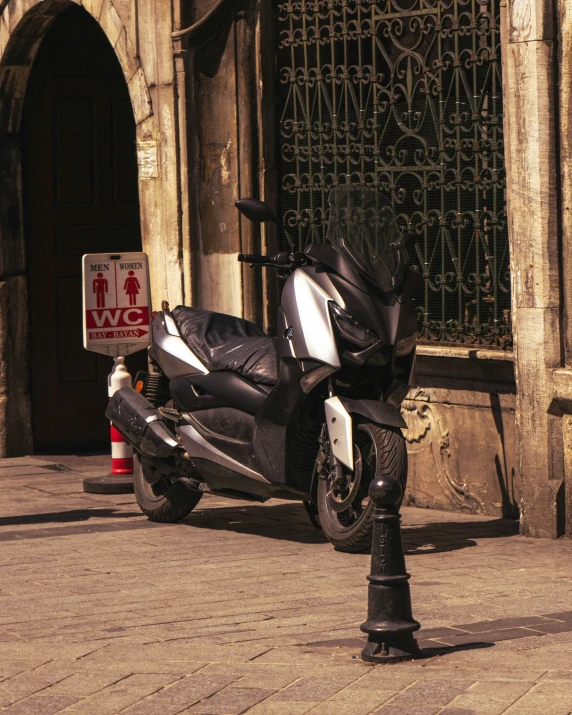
x: 379, y: 412
x: 339, y: 421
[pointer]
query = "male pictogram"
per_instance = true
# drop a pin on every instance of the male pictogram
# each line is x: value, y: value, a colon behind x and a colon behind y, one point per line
x: 131, y: 288
x: 100, y: 289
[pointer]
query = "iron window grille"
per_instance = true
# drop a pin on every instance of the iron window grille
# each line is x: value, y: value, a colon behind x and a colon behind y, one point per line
x: 405, y: 96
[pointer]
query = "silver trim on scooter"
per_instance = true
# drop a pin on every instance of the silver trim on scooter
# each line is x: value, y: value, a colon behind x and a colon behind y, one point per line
x: 339, y: 423
x: 171, y: 351
x: 306, y: 307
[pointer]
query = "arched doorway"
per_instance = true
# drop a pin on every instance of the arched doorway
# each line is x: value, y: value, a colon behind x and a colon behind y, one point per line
x: 80, y: 195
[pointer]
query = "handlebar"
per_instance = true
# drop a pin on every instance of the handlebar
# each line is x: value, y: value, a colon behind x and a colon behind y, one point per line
x: 281, y: 260
x: 255, y: 260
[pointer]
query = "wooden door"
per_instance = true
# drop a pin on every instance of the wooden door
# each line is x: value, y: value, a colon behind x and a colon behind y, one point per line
x: 80, y: 196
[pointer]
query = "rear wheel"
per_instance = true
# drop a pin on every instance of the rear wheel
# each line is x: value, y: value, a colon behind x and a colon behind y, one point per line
x: 159, y: 498
x: 344, y: 508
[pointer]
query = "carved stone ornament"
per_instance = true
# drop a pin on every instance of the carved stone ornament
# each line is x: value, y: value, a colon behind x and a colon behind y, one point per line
x: 426, y: 431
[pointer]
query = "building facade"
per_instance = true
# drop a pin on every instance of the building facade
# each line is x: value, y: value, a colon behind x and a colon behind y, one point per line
x: 138, y: 123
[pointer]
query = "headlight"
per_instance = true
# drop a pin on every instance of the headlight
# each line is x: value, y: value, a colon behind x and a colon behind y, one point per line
x: 405, y: 345
x: 351, y: 329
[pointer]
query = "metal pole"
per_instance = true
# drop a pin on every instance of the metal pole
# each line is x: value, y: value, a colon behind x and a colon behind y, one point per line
x: 390, y: 624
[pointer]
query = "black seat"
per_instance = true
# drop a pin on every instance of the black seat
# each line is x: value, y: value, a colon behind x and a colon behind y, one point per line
x: 223, y: 342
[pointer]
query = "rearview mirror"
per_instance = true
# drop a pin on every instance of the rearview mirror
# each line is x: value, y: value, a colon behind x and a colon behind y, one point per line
x: 256, y: 210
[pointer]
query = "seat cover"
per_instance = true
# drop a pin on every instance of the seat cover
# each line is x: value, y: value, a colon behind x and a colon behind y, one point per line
x: 223, y: 342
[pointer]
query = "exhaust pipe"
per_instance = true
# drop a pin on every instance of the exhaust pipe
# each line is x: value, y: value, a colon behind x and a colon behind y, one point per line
x: 140, y: 423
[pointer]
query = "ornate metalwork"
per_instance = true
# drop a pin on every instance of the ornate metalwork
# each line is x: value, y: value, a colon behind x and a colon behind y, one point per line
x: 405, y: 96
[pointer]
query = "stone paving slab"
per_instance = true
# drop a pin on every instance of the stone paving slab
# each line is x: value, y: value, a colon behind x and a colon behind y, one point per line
x: 245, y: 608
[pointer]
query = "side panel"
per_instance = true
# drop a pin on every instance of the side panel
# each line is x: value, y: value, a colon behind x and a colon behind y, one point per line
x: 197, y: 446
x: 171, y: 351
x: 305, y: 305
x: 221, y: 388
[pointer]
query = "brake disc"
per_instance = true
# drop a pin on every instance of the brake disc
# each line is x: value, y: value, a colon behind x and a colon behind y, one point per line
x: 341, y: 499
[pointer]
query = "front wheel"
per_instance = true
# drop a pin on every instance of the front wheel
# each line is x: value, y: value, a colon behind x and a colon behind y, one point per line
x: 345, y: 510
x: 158, y: 497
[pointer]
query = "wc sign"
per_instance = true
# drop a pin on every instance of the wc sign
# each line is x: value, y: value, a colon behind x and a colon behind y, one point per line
x: 116, y: 303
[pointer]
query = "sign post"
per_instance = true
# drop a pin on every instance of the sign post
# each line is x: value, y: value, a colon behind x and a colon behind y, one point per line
x: 116, y: 322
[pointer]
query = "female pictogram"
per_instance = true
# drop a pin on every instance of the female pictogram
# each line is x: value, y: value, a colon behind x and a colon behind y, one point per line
x: 100, y: 289
x: 131, y: 288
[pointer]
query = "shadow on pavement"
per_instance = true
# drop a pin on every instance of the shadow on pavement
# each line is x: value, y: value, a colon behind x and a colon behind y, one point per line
x: 65, y: 516
x: 289, y: 522
x: 431, y: 650
x: 447, y: 649
x: 439, y: 537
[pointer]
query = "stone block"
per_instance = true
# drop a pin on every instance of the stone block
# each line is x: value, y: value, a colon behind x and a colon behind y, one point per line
x: 446, y: 470
x: 12, y: 258
x: 155, y: 43
x: 558, y: 695
x: 529, y: 92
x: 110, y: 22
x: 126, y: 55
x: 231, y: 701
x: 93, y: 7
x: 433, y: 692
x: 4, y: 35
x: 16, y: 12
x: 140, y: 98
x: 565, y: 165
x: 314, y: 688
x: 13, y: 81
x: 539, y: 434
x: 42, y: 705
x: 274, y: 707
x: 530, y: 20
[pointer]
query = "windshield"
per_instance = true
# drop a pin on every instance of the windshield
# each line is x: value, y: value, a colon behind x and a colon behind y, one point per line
x: 362, y: 225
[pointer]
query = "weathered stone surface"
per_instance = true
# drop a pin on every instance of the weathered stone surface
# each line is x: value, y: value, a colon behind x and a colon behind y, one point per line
x: 461, y: 437
x: 101, y: 625
x: 530, y: 96
x: 12, y: 249
x: 23, y: 24
x: 155, y: 45
x: 93, y: 7
x: 530, y: 20
x: 533, y: 209
x: 140, y: 98
x: 110, y: 22
x: 565, y: 166
x: 15, y: 410
x: 540, y: 450
x: 159, y: 197
x: 126, y: 55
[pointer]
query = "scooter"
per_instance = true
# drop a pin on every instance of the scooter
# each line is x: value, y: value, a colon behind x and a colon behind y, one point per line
x: 312, y: 414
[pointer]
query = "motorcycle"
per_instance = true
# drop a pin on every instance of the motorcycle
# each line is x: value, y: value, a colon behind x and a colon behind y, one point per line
x: 312, y: 414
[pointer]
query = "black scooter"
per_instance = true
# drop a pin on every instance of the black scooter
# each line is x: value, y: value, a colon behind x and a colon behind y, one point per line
x: 312, y: 414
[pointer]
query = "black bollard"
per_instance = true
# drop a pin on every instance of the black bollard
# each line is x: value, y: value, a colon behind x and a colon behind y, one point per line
x: 390, y: 622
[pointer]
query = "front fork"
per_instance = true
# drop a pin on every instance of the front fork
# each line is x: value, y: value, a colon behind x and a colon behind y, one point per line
x: 339, y: 426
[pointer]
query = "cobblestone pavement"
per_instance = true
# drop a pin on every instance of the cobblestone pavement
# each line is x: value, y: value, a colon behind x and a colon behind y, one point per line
x: 245, y: 608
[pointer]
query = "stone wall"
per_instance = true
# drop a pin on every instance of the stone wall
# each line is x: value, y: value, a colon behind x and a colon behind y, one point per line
x: 461, y: 436
x: 140, y: 33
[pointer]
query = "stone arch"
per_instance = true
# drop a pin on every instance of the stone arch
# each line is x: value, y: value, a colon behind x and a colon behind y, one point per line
x: 23, y: 26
